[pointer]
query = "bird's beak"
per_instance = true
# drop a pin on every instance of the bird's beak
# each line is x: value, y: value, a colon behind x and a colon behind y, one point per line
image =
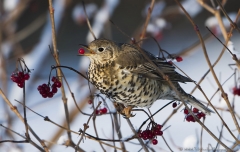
x: 87, y: 52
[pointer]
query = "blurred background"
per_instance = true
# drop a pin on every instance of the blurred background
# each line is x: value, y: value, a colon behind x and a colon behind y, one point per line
x: 25, y: 32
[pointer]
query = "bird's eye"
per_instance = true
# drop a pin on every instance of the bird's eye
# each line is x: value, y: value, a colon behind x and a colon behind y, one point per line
x: 100, y: 49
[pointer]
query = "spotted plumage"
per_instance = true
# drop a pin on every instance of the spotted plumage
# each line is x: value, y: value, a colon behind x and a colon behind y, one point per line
x: 122, y: 73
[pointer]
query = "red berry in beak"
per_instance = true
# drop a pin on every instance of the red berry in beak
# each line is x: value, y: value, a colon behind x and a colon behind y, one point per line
x: 81, y: 51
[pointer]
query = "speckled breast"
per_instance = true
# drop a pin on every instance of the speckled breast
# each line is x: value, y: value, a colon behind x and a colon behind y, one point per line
x: 122, y: 86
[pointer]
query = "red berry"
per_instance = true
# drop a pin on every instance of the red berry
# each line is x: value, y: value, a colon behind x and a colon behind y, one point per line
x: 81, y: 51
x: 54, y: 89
x: 44, y: 95
x: 26, y: 76
x: 18, y: 80
x: 150, y: 135
x: 104, y: 110
x: 195, y: 110
x: 97, y: 112
x: 40, y: 88
x: 186, y: 111
x: 190, y: 118
x: 54, y: 79
x: 21, y: 74
x: 159, y: 127
x: 145, y: 137
x: 43, y: 91
x: 100, y: 111
x: 14, y: 77
x: 179, y: 59
x: 20, y: 85
x: 58, y: 84
x: 144, y: 132
x: 199, y: 115
x: 235, y: 91
x: 170, y: 62
x: 50, y: 94
x: 154, y: 141
x: 89, y: 101
x: 174, y: 105
x: 202, y: 114
x: 44, y: 85
x: 47, y: 89
x: 158, y: 133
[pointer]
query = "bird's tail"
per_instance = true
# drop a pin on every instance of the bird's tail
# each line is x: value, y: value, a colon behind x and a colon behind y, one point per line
x: 196, y: 104
x: 192, y: 101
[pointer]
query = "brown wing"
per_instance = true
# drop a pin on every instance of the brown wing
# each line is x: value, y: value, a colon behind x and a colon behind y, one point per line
x: 131, y: 59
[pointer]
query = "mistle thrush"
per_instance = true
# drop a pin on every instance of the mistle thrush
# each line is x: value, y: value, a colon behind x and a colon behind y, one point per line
x: 121, y: 72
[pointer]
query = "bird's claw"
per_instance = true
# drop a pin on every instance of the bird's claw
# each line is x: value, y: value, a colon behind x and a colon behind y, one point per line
x: 131, y: 115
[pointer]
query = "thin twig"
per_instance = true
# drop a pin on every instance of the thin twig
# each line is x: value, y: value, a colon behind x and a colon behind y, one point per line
x: 54, y: 41
x: 166, y: 143
x: 234, y: 57
x: 150, y: 9
x: 206, y: 6
x: 24, y: 103
x: 85, y: 125
x: 220, y: 136
x: 117, y: 129
x: 94, y: 125
x: 88, y: 23
x: 46, y: 118
x: 26, y: 140
x: 197, y: 30
x: 229, y: 19
x: 204, y: 49
x: 73, y: 114
x: 135, y: 133
x: 72, y: 94
x: 14, y: 109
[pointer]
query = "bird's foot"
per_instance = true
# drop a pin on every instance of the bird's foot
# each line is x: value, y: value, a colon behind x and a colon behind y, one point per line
x: 125, y: 111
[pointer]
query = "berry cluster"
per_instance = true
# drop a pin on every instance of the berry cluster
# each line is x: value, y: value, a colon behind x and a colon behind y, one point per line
x: 196, y: 112
x: 46, y: 91
x: 101, y: 111
x: 236, y: 91
x: 151, y: 134
x: 20, y: 78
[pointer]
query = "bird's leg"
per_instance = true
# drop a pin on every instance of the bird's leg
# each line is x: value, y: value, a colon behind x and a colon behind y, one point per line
x: 119, y: 107
x: 126, y: 111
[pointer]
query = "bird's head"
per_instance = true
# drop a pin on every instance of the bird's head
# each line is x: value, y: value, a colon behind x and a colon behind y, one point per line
x: 101, y: 50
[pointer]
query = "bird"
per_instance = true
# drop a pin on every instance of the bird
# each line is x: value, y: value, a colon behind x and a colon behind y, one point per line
x: 124, y: 74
